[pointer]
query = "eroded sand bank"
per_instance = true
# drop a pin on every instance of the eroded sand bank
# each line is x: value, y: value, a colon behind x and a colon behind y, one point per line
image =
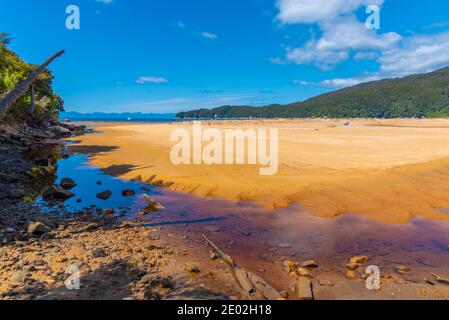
x: 387, y: 170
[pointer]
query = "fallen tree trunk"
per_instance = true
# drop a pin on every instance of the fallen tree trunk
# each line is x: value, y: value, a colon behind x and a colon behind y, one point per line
x: 254, y: 287
x: 23, y: 87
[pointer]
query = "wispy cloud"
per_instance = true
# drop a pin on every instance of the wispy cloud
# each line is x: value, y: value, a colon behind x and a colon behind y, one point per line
x: 158, y: 80
x: 278, y: 60
x: 179, y: 25
x: 340, y: 83
x: 209, y: 35
x: 105, y: 1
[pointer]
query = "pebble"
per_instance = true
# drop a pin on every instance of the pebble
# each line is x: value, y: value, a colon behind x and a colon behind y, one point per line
x: 326, y: 283
x: 309, y: 264
x: 351, y: 275
x: 191, y: 267
x: 352, y: 266
x: 303, y: 272
x: 359, y: 259
x: 18, y: 276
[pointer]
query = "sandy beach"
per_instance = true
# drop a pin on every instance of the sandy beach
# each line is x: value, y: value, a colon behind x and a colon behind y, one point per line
x: 386, y: 170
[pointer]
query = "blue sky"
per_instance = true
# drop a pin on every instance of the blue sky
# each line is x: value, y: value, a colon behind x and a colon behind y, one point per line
x: 158, y: 56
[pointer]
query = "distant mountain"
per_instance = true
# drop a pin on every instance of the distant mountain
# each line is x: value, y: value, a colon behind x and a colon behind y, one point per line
x: 116, y: 116
x: 422, y: 96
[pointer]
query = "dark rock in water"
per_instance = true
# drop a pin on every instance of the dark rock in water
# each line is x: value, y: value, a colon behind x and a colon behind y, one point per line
x: 57, y: 193
x: 99, y: 183
x: 128, y: 193
x: 67, y: 184
x: 16, y: 194
x: 105, y: 195
x: 108, y: 211
x: 37, y: 228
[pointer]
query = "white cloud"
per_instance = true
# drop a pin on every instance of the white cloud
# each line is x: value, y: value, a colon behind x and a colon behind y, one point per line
x: 143, y: 80
x: 342, y: 32
x: 343, y: 36
x: 318, y: 11
x: 209, y: 35
x: 417, y: 54
x: 340, y: 83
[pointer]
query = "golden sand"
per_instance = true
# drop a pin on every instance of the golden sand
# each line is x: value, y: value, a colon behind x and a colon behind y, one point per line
x: 387, y: 170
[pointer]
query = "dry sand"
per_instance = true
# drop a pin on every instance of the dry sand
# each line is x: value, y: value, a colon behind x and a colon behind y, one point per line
x: 387, y: 170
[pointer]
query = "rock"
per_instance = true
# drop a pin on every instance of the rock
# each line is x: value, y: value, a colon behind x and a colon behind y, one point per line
x: 303, y: 272
x: 290, y: 266
x: 105, y: 195
x: 284, y: 245
x: 153, y: 205
x: 128, y: 193
x: 309, y: 264
x: 304, y: 289
x: 18, y: 276
x: 191, y: 267
x: 351, y: 275
x: 60, y: 132
x: 99, y: 253
x: 352, y: 266
x: 108, y: 212
x: 57, y: 193
x: 326, y: 283
x: 213, y: 255
x: 359, y: 259
x: 161, y: 283
x: 283, y: 294
x: 403, y: 269
x: 212, y: 229
x: 37, y: 228
x: 91, y: 227
x: 67, y: 184
x: 16, y: 194
x: 99, y: 183
x: 42, y: 162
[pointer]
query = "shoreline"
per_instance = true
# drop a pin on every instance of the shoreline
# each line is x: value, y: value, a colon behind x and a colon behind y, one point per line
x: 173, y: 238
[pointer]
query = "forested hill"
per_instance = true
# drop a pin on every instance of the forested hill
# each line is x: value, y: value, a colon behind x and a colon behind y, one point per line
x: 422, y: 96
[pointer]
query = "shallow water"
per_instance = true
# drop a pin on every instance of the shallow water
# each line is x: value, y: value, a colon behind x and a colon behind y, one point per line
x: 259, y: 239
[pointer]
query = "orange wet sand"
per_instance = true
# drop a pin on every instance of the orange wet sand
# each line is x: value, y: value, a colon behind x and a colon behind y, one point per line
x: 387, y: 170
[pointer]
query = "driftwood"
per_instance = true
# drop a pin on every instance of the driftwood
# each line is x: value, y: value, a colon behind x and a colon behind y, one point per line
x: 439, y: 279
x: 23, y: 87
x: 254, y: 287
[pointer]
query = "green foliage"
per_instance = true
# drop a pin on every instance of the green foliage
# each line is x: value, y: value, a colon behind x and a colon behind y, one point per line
x: 13, y: 70
x: 417, y: 96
